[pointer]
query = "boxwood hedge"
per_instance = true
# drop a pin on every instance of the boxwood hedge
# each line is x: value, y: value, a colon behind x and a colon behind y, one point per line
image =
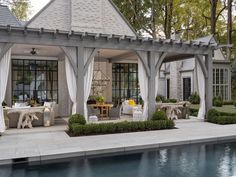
x: 120, y: 127
x: 222, y: 118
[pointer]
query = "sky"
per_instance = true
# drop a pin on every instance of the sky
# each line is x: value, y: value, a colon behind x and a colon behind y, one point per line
x: 37, y: 5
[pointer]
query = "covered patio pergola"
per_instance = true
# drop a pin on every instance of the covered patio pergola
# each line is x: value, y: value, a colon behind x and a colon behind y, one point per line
x: 81, y: 48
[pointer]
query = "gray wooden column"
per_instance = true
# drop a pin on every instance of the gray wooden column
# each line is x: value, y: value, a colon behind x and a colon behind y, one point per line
x: 209, y: 81
x: 151, y: 84
x: 80, y: 80
x: 4, y: 47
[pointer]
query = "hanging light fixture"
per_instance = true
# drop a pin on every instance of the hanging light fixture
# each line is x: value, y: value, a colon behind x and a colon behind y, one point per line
x: 33, y: 51
x: 100, y: 79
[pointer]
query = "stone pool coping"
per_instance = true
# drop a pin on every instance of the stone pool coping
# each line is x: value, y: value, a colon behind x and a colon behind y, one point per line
x: 41, y: 146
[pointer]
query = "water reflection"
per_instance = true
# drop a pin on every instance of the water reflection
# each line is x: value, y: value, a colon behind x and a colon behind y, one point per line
x: 189, y: 161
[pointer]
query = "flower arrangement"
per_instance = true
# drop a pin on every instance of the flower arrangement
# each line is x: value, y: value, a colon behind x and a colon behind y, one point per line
x: 100, y: 99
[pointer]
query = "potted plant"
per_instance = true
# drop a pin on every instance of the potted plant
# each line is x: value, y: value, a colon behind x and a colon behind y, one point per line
x: 100, y: 99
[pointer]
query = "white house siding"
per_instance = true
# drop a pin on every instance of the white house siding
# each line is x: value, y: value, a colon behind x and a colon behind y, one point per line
x: 162, y: 87
x: 83, y: 16
x: 218, y: 55
x: 54, y: 16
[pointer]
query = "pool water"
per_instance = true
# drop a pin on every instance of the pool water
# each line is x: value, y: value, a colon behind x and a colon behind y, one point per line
x: 218, y: 160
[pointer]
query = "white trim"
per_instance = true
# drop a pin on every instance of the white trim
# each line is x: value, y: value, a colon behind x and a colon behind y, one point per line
x: 220, y: 85
x: 24, y: 57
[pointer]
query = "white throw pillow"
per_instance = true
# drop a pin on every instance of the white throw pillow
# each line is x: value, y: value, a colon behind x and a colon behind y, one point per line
x: 48, y: 104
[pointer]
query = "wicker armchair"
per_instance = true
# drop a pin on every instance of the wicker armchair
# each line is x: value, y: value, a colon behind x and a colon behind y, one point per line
x: 115, y: 112
x: 93, y: 112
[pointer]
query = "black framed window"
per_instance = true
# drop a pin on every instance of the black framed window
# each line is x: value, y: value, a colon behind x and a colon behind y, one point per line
x: 168, y: 88
x: 125, y: 82
x: 34, y: 79
x: 186, y: 88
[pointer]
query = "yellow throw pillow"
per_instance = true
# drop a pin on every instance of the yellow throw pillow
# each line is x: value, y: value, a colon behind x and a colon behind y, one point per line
x: 132, y: 103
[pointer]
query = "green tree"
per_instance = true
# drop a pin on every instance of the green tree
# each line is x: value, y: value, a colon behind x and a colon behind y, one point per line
x: 20, y: 8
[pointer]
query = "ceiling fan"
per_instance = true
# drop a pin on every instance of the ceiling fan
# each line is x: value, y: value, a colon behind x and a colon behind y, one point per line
x: 33, y: 51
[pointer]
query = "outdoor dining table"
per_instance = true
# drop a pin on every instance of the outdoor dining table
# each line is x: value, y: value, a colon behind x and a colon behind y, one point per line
x: 104, y: 108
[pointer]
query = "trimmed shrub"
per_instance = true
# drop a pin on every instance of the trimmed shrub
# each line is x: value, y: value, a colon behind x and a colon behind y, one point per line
x: 193, y: 112
x: 194, y: 98
x: 212, y: 114
x: 171, y: 100
x: 120, y: 127
x: 235, y: 104
x: 217, y: 101
x: 228, y: 102
x: 76, y: 119
x: 159, y: 115
x: 160, y: 98
x: 222, y: 118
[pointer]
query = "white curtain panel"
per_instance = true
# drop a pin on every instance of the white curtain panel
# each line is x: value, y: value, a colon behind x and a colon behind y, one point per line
x: 201, y: 90
x: 143, y: 82
x: 71, y: 83
x: 88, y: 78
x: 4, y: 71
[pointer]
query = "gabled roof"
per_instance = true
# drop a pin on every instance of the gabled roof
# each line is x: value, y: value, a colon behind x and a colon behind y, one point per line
x: 7, y: 18
x: 100, y: 16
x: 207, y: 39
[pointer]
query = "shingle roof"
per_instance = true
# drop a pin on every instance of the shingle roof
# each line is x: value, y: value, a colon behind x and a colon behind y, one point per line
x: 7, y: 18
x: 207, y: 39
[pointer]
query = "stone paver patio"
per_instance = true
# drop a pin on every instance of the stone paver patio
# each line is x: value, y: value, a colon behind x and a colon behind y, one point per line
x: 41, y: 144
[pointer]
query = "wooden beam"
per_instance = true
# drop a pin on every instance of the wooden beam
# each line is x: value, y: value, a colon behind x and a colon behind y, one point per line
x: 202, y: 64
x: 32, y: 36
x: 91, y: 57
x: 80, y: 81
x: 70, y: 58
x: 4, y: 50
x: 160, y: 60
x: 209, y: 82
x: 124, y: 55
x: 145, y: 62
x: 152, y: 84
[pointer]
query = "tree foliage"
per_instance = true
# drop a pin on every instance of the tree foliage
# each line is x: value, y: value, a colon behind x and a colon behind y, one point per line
x: 20, y: 8
x: 192, y: 18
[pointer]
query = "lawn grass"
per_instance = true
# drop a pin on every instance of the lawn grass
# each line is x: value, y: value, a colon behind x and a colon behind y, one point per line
x: 225, y: 108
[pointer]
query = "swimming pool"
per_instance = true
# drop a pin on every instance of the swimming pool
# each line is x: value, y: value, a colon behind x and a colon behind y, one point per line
x: 218, y: 160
